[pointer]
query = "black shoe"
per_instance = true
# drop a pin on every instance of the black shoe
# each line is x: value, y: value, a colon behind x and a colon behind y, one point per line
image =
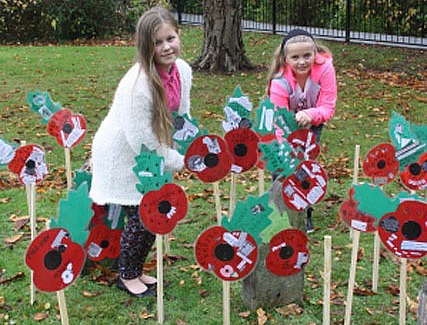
x: 144, y: 294
x: 309, y: 223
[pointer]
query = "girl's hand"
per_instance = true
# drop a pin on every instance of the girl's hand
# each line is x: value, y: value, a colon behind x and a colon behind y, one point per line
x: 303, y: 118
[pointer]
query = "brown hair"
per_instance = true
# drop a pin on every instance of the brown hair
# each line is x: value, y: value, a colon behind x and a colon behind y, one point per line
x: 279, y: 55
x: 147, y: 26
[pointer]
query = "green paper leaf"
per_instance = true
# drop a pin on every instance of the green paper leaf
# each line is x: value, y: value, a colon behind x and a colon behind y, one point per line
x: 265, y: 117
x: 42, y: 104
x: 186, y: 130
x: 408, y: 146
x: 74, y: 214
x: 285, y: 120
x: 279, y: 222
x: 250, y: 216
x: 81, y: 177
x: 279, y: 157
x: 150, y: 170
x: 237, y: 111
x: 373, y: 201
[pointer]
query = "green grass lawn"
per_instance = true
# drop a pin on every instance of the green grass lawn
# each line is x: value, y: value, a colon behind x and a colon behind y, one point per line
x: 372, y: 80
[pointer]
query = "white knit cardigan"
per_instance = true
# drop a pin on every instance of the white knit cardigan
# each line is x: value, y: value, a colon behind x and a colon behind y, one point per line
x: 124, y: 130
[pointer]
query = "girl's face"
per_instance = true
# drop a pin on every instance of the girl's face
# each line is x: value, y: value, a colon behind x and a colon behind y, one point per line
x: 167, y: 46
x: 300, y: 57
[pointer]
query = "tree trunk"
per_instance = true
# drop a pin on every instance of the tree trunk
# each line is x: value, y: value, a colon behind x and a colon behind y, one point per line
x: 262, y: 288
x: 422, y: 305
x: 223, y: 49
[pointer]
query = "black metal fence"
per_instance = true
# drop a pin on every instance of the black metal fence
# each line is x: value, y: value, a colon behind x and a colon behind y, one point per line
x: 390, y: 22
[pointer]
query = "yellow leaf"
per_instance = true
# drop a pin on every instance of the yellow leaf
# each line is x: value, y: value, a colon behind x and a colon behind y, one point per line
x: 40, y: 316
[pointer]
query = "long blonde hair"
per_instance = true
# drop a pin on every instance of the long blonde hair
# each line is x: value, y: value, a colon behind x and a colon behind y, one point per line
x: 146, y: 28
x: 279, y: 55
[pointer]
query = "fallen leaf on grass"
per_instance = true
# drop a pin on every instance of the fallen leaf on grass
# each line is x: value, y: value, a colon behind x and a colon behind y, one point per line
x: 5, y: 200
x: 203, y: 293
x: 145, y: 315
x: 88, y: 294
x: 180, y: 322
x: 20, y: 222
x: 393, y: 289
x: 13, y: 278
x: 13, y: 240
x: 262, y: 318
x: 291, y: 309
x: 40, y: 316
x: 245, y: 314
x: 363, y: 292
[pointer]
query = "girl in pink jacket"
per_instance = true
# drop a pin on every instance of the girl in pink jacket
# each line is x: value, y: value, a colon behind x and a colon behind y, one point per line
x: 302, y: 80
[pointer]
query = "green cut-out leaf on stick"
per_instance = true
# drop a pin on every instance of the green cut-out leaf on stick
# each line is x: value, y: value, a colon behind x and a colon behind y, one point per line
x: 82, y: 176
x: 409, y: 145
x: 285, y: 120
x: 150, y: 170
x: 250, y: 216
x: 279, y: 222
x: 280, y: 157
x: 42, y: 104
x: 237, y: 111
x: 265, y: 117
x: 74, y: 214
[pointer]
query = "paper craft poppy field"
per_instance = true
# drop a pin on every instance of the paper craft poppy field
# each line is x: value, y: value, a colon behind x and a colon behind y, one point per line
x: 219, y: 225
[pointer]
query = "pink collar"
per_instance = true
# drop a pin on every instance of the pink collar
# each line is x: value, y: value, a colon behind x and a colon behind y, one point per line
x: 172, y: 84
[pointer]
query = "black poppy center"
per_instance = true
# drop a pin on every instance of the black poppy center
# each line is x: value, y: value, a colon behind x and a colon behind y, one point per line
x: 211, y: 160
x: 164, y: 207
x: 381, y: 164
x: 224, y: 252
x: 240, y: 150
x: 67, y: 128
x: 178, y: 123
x: 104, y: 244
x: 305, y: 184
x: 411, y: 230
x: 245, y: 123
x: 30, y: 164
x: 286, y: 252
x: 53, y: 260
x: 415, y: 169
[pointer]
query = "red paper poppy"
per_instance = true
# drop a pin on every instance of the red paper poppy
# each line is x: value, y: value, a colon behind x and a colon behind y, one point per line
x: 99, y: 214
x: 68, y: 129
x: 55, y: 259
x: 230, y: 256
x: 404, y: 232
x: 208, y: 156
x: 268, y: 138
x: 305, y: 186
x: 161, y: 210
x: 287, y: 252
x: 243, y: 145
x: 380, y: 164
x: 303, y: 141
x: 103, y: 242
x: 29, y: 164
x: 415, y: 175
x: 355, y: 219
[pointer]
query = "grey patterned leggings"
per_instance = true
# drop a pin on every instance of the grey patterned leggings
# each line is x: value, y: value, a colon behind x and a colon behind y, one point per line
x: 135, y: 244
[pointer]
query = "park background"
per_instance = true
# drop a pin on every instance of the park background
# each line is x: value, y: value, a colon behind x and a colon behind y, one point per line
x: 82, y: 75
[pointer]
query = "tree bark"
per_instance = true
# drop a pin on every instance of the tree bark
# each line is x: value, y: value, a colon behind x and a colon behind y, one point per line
x: 223, y: 49
x: 262, y: 288
x: 422, y: 305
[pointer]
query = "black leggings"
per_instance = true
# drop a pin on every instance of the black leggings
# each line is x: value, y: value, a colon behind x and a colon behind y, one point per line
x: 135, y: 244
